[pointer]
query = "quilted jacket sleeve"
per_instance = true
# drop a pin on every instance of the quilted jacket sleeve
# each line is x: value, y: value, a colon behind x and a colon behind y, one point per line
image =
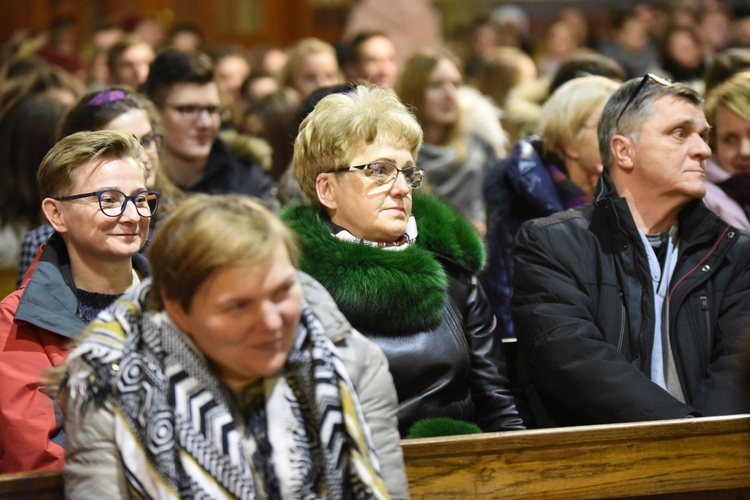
x: 93, y: 468
x: 30, y: 424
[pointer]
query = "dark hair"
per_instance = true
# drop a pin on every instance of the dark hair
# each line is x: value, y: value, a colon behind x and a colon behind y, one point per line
x: 27, y: 132
x: 115, y: 52
x: 586, y: 64
x: 352, y: 48
x: 669, y: 63
x: 725, y: 65
x: 624, y: 113
x: 308, y: 104
x: 174, y: 66
x: 186, y: 28
x: 220, y: 52
x: 18, y: 66
x: 92, y: 112
x: 38, y: 79
x: 277, y: 112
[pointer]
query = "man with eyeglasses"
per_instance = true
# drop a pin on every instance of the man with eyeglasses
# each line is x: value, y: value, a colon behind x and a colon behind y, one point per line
x: 636, y: 306
x: 93, y: 186
x: 182, y: 86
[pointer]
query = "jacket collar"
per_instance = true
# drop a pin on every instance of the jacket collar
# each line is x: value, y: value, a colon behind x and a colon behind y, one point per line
x: 377, y: 290
x: 49, y: 298
x: 697, y: 223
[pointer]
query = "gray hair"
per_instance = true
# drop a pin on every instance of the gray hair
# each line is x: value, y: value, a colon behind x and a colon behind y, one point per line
x: 631, y: 105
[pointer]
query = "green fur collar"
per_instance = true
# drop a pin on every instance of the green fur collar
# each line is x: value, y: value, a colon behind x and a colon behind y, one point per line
x: 389, y: 291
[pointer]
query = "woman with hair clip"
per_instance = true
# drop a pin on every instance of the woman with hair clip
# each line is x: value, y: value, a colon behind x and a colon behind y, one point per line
x: 115, y: 108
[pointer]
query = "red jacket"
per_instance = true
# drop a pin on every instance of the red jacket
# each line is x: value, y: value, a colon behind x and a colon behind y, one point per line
x: 37, y: 324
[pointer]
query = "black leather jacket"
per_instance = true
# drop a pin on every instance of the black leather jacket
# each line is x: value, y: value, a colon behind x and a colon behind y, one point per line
x: 456, y: 369
x: 425, y: 308
x: 583, y: 305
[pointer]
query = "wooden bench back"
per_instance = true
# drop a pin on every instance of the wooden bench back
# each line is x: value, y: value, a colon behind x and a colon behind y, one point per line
x: 42, y: 485
x: 694, y: 458
x: 710, y: 455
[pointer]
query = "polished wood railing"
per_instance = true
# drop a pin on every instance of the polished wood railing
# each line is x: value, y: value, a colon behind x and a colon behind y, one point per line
x: 693, y: 458
x: 703, y: 457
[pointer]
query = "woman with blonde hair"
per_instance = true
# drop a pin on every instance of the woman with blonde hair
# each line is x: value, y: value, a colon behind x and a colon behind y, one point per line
x: 462, y: 132
x: 546, y: 173
x: 401, y: 267
x: 215, y: 379
x: 113, y: 108
x: 310, y: 64
x: 728, y: 170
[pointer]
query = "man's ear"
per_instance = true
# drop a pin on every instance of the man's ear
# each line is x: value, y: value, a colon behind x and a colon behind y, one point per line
x: 622, y: 152
x: 53, y: 213
x: 325, y: 190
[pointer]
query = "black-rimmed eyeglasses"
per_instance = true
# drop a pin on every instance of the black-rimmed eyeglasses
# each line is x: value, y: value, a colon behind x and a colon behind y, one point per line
x: 385, y: 173
x: 648, y: 77
x: 112, y: 202
x: 193, y: 111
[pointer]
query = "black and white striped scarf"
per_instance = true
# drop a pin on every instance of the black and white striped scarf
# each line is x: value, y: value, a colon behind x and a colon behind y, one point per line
x: 181, y: 433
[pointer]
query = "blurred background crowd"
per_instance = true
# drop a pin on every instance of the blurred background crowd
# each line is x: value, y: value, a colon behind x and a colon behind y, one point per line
x: 503, y: 59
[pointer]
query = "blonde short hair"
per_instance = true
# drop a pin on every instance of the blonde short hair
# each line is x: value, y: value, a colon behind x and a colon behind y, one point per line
x: 733, y: 94
x: 55, y: 176
x: 565, y: 113
x: 340, y: 123
x: 205, y: 233
x: 299, y: 51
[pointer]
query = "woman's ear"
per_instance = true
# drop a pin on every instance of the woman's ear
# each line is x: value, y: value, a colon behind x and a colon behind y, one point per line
x: 325, y: 190
x: 622, y: 152
x: 53, y: 212
x: 571, y: 152
x: 175, y: 311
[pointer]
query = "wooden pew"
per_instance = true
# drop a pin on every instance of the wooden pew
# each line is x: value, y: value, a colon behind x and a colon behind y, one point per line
x: 706, y: 457
x: 693, y: 458
x: 42, y: 485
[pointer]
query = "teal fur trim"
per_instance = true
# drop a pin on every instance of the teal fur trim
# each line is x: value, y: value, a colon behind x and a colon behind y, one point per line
x: 441, y: 426
x: 385, y: 291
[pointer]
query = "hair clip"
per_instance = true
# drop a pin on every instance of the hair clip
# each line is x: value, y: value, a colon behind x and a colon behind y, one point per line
x: 107, y: 96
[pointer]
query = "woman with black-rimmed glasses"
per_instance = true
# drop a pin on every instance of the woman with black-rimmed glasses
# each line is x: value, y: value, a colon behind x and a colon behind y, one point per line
x: 113, y: 108
x: 93, y: 186
x: 400, y: 266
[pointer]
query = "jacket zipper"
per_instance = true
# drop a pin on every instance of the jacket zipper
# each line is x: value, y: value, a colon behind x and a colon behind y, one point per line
x: 622, y: 325
x: 641, y: 338
x: 704, y: 301
x: 707, y: 315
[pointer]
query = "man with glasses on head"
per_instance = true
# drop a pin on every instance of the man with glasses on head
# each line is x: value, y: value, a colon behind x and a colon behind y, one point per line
x: 182, y: 86
x: 93, y: 186
x: 636, y: 306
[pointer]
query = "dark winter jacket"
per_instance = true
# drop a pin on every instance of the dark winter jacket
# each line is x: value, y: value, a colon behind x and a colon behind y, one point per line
x: 229, y: 170
x: 583, y: 307
x: 518, y: 188
x: 424, y: 307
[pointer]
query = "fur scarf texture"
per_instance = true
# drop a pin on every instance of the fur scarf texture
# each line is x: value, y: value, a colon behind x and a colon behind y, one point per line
x: 248, y: 147
x: 394, y: 292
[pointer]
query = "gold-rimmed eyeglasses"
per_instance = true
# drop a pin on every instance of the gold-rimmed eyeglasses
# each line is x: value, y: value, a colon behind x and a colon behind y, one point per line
x: 384, y: 173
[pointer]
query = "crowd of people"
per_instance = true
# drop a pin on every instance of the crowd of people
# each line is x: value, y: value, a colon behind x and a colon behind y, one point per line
x: 252, y: 273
